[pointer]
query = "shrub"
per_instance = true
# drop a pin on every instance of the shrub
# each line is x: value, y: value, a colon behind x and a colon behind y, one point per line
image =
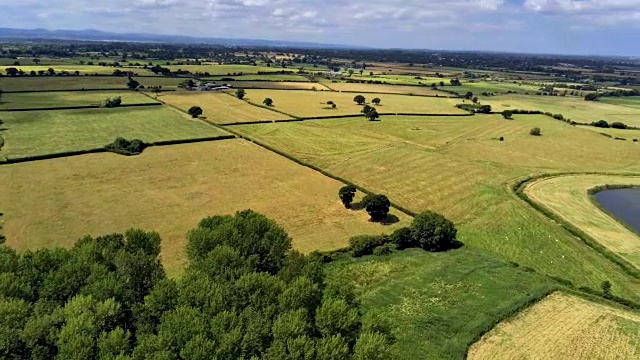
x: 501, y: 138
x: 433, y: 232
x: 195, y: 111
x: 507, y: 114
x: 558, y: 116
x: 382, y: 250
x: 601, y: 124
x: 606, y: 288
x: 126, y: 147
x: 535, y: 131
x: 403, y: 238
x: 618, y: 125
x: 365, y: 244
x: 376, y: 101
x: 591, y: 97
x: 111, y: 103
x: 268, y: 102
x: 240, y: 93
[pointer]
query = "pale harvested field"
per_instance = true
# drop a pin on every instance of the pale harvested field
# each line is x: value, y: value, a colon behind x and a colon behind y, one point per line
x: 567, y: 196
x: 278, y: 85
x: 577, y: 109
x: 382, y: 88
x: 563, y: 327
x: 627, y: 134
x: 169, y: 189
x: 221, y: 108
x: 311, y: 103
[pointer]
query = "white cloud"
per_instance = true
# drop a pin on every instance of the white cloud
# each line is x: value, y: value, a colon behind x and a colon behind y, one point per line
x: 589, y: 13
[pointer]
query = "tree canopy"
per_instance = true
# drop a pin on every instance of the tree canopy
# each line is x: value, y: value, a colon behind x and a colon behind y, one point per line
x: 359, y: 99
x: 244, y: 295
x: 377, y: 206
x: 195, y: 111
x: 347, y: 193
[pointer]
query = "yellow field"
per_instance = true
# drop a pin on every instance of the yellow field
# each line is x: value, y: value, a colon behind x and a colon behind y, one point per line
x: 220, y: 108
x: 625, y: 134
x: 577, y: 109
x: 169, y: 190
x: 278, y: 85
x: 567, y: 197
x: 310, y: 104
x: 563, y: 327
x: 381, y: 88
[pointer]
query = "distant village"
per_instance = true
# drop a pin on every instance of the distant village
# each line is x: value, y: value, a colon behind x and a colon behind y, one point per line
x: 205, y: 86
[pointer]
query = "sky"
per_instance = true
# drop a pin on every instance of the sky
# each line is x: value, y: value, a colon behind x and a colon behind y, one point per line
x: 586, y: 27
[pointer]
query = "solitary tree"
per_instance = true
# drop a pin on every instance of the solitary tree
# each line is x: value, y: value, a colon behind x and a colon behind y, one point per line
x: 240, y: 93
x: 347, y: 193
x: 432, y: 231
x: 350, y: 72
x: 373, y: 115
x: 468, y: 95
x: 535, y: 131
x: 376, y: 101
x: 507, y: 114
x: 475, y: 99
x: 359, y: 99
x: 377, y: 206
x: 366, y: 110
x: 132, y: 84
x: 195, y: 111
x: 268, y: 102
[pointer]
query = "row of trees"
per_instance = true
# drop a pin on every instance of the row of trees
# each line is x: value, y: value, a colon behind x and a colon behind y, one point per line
x: 244, y: 295
x: 376, y: 205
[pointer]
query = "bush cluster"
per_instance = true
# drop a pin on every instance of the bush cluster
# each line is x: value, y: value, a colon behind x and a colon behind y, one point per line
x: 475, y: 108
x: 123, y: 146
x: 429, y: 231
x: 110, y: 103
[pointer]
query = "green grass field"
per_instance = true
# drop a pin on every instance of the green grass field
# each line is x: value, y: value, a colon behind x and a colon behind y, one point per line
x: 28, y: 83
x: 437, y: 304
x: 169, y: 190
x: 278, y: 85
x: 221, y: 108
x: 223, y: 70
x: 71, y: 98
x: 310, y: 104
x: 629, y: 101
x: 457, y: 166
x: 577, y: 109
x: 45, y: 132
x: 381, y: 88
x: 83, y: 69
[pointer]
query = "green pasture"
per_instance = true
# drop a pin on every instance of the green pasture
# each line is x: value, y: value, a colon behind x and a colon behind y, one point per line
x: 255, y: 77
x: 82, y: 69
x: 459, y: 167
x: 70, y: 98
x: 576, y: 109
x: 40, y: 83
x: 628, y: 101
x: 45, y: 132
x: 223, y: 70
x: 437, y: 304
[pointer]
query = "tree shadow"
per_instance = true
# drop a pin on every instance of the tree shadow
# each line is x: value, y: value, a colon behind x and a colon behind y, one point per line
x: 389, y: 220
x: 357, y: 206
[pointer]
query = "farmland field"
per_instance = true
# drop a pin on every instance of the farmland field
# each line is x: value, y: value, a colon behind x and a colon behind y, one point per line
x: 169, y: 189
x: 437, y: 304
x: 278, y: 85
x: 28, y: 83
x: 577, y: 109
x: 221, y: 108
x: 223, y: 69
x: 564, y: 327
x: 567, y: 196
x: 310, y: 104
x: 82, y: 69
x: 381, y: 88
x: 45, y: 132
x: 255, y: 77
x: 457, y: 166
x: 629, y: 101
x: 621, y: 133
x: 71, y: 98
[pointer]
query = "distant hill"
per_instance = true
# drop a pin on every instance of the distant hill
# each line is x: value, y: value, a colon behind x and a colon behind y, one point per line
x: 95, y: 35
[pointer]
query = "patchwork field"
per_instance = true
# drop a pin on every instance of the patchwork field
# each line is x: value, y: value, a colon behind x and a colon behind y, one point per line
x: 221, y: 108
x: 457, y: 166
x: 577, y: 109
x: 169, y: 189
x: 564, y: 327
x: 381, y: 88
x: 28, y: 83
x: 255, y: 77
x: 310, y: 104
x: 82, y: 69
x: 45, y: 132
x: 71, y: 98
x: 567, y: 196
x: 437, y: 304
x: 215, y: 69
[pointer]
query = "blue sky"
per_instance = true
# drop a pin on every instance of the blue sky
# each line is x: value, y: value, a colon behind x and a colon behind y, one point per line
x: 594, y: 27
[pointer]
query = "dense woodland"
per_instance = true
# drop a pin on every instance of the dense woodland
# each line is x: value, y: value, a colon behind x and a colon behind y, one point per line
x: 244, y: 294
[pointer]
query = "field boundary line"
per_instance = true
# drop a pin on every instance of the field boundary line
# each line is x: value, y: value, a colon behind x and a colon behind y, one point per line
x: 64, y: 90
x: 518, y: 189
x: 80, y: 107
x: 329, y: 117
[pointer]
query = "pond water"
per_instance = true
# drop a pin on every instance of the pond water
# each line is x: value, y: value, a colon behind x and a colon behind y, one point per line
x: 623, y: 204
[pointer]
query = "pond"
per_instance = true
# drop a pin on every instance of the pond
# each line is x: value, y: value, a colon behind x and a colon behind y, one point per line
x: 624, y: 204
